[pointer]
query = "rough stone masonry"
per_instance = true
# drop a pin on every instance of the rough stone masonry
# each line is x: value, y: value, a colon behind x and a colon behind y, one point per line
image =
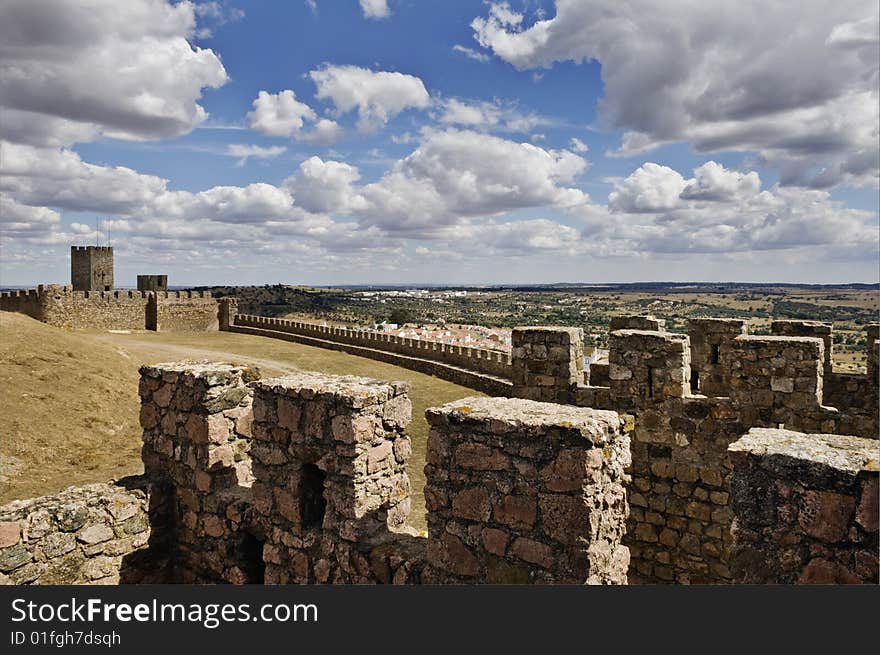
x: 682, y: 474
x: 680, y: 518
x: 329, y: 457
x: 197, y: 421
x: 805, y: 508
x: 302, y: 479
x: 520, y: 491
x: 544, y: 361
x: 95, y: 534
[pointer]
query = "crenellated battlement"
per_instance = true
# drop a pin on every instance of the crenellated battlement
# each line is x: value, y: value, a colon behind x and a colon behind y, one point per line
x: 20, y: 293
x: 692, y: 395
x: 679, y: 527
x: 104, y: 295
x: 303, y: 479
x: 181, y: 295
x: 120, y: 309
x: 711, y: 345
x: 491, y: 362
x: 806, y: 508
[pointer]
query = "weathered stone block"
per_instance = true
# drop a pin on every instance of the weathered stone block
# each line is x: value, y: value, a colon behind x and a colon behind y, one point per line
x: 553, y: 477
x: 797, y: 500
x: 10, y: 533
x: 473, y: 504
x: 826, y: 515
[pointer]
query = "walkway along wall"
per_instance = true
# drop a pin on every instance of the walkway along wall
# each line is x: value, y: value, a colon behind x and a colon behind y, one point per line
x: 493, y: 372
x: 490, y: 362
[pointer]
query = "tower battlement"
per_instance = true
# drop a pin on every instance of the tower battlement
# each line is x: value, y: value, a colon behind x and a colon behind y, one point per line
x: 91, y: 268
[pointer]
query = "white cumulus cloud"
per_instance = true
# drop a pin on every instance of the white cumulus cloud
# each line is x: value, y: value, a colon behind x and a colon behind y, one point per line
x: 459, y: 173
x: 326, y: 186
x: 20, y: 220
x: 714, y: 182
x: 281, y: 114
x: 795, y: 81
x: 651, y: 188
x: 657, y: 210
x: 378, y: 96
x: 62, y: 77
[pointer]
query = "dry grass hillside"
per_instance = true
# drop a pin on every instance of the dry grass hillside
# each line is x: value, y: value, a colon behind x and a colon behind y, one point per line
x: 69, y: 403
x: 69, y: 410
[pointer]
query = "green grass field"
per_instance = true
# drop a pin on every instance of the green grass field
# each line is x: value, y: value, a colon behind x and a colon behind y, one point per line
x: 70, y: 405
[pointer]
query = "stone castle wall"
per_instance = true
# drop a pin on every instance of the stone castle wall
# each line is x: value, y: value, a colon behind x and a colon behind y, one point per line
x: 852, y: 389
x: 494, y: 372
x: 679, y: 527
x: 815, y: 329
x: 24, y: 301
x: 61, y: 306
x: 332, y: 494
x: 679, y: 523
x: 545, y: 360
x: 303, y: 479
x: 96, y: 534
x: 465, y: 368
x: 196, y: 421
x: 805, y: 508
x: 682, y: 473
x: 100, y: 310
x: 186, y: 311
x: 849, y: 390
x: 707, y: 336
x: 490, y: 362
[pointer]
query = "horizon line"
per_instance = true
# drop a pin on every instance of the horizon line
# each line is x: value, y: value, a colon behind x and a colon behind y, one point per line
x: 464, y: 285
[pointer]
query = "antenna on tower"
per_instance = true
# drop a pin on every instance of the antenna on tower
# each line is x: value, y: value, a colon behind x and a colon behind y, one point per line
x: 97, y: 233
x: 107, y: 229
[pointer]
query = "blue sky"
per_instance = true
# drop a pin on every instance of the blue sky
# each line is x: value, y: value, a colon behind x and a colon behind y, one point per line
x: 296, y: 40
x: 362, y: 141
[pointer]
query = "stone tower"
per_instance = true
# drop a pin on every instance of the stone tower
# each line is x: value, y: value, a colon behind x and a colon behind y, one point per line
x: 152, y: 282
x: 91, y: 268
